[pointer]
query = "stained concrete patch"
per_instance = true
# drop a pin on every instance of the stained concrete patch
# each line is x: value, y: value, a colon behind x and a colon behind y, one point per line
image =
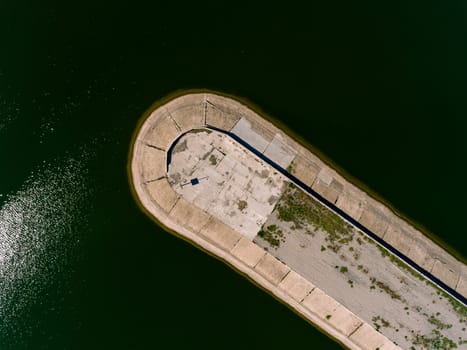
x: 220, y: 234
x: 232, y: 184
x: 399, y: 239
x: 188, y: 215
x: 279, y: 152
x: 344, y: 321
x: 419, y: 256
x: 327, y: 186
x: 245, y: 130
x: 189, y: 114
x: 320, y: 303
x: 296, y: 286
x: 305, y: 170
x: 153, y: 165
x: 374, y: 220
x: 162, y: 193
x: 462, y: 285
x: 219, y: 116
x: 271, y: 269
x: 247, y: 252
x: 351, y: 204
x: 450, y: 277
x: 162, y: 132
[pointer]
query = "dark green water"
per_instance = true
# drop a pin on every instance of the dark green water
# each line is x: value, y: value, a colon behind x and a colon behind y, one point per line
x: 380, y: 89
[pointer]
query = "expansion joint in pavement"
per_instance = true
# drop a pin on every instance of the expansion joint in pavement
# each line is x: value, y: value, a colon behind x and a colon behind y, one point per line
x: 307, y: 294
x: 153, y: 180
x: 356, y: 329
x: 155, y: 147
x: 174, y: 121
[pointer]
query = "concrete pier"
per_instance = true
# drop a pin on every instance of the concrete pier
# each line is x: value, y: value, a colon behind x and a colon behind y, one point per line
x: 236, y: 192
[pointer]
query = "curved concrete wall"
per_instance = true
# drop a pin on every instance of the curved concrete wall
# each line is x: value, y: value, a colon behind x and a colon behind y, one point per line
x: 148, y: 171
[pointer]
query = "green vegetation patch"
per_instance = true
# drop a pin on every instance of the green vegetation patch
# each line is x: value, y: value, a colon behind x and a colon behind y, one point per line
x: 241, y: 204
x: 385, y: 288
x: 297, y: 207
x: 272, y: 235
x: 435, y: 341
x: 438, y: 323
x: 213, y: 159
x: 379, y: 322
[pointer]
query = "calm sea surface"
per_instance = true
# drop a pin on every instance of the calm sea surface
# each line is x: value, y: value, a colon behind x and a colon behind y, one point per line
x: 379, y: 89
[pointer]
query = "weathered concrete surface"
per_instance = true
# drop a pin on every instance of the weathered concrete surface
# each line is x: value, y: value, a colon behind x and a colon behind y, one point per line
x: 194, y: 111
x: 186, y: 112
x: 296, y: 286
x: 162, y: 193
x: 234, y: 185
x: 461, y: 286
x: 192, y: 217
x: 248, y: 252
x: 154, y: 169
x: 397, y: 237
x: 304, y: 169
x: 369, y: 339
x: 272, y: 269
x: 220, y: 234
x: 353, y: 272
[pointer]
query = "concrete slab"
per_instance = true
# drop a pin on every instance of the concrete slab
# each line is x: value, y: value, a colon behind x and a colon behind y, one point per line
x: 333, y: 191
x: 272, y: 269
x: 368, y: 338
x: 220, y: 116
x: 162, y: 193
x: 247, y: 252
x: 188, y: 215
x: 419, y: 256
x: 153, y: 165
x: 187, y: 118
x: 444, y: 271
x: 374, y: 220
x: 304, y: 170
x: 462, y: 285
x: 398, y: 238
x: 189, y: 113
x: 344, y: 321
x: 220, y: 234
x: 280, y: 152
x: 296, y: 286
x: 320, y: 303
x: 327, y: 186
x: 255, y: 138
x: 162, y: 132
x: 350, y: 203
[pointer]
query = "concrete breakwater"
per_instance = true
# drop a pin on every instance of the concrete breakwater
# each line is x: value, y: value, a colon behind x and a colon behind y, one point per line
x: 169, y: 202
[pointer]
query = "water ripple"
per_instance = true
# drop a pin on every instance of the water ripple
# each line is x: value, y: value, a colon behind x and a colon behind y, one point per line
x: 40, y: 229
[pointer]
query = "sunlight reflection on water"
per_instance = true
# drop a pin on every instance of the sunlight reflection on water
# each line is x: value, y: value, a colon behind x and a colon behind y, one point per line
x: 40, y: 229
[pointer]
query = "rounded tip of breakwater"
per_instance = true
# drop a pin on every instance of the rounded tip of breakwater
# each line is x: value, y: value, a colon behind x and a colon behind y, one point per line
x: 181, y: 180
